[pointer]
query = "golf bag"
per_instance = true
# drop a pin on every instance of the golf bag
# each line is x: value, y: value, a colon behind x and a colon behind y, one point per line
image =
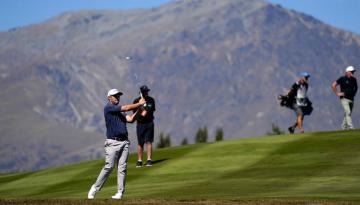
x: 307, y: 110
x: 287, y: 100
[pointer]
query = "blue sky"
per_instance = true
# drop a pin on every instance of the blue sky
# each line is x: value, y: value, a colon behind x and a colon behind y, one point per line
x: 343, y: 14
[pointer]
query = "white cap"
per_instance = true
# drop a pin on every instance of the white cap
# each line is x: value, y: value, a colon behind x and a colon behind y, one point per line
x: 350, y: 68
x: 114, y: 92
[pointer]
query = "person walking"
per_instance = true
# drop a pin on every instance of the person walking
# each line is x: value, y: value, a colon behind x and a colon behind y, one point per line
x: 301, y: 102
x: 348, y: 89
x: 117, y: 143
x: 145, y: 126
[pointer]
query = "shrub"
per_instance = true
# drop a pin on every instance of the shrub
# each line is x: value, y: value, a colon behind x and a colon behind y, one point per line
x: 201, y: 135
x: 164, y: 141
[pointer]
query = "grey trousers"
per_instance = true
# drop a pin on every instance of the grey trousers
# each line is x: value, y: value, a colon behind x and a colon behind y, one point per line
x: 116, y: 152
x: 348, y: 107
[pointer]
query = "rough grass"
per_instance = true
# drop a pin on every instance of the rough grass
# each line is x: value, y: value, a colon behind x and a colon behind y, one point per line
x: 313, y: 168
x: 172, y: 202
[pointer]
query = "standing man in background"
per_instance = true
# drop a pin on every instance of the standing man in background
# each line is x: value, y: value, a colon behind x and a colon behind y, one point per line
x: 145, y: 126
x: 117, y: 143
x: 348, y: 89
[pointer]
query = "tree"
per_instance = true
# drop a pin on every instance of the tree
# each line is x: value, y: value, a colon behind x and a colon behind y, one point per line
x: 275, y: 130
x: 184, y: 141
x: 201, y: 135
x: 164, y: 141
x: 219, y: 135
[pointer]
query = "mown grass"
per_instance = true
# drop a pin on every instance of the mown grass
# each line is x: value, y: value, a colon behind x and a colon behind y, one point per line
x: 313, y: 168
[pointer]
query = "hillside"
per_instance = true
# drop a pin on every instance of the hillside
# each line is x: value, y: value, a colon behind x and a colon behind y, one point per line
x: 314, y: 166
x: 219, y: 63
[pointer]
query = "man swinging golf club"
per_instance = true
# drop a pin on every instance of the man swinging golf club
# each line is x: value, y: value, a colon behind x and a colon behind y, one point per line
x: 117, y: 143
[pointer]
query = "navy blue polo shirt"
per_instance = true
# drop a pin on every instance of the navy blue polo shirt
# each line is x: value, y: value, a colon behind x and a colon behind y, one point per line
x: 115, y: 121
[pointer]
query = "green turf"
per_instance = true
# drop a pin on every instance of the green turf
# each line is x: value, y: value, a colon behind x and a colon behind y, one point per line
x: 323, y: 165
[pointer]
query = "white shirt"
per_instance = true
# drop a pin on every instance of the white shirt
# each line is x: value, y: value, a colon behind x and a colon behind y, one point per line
x: 301, y: 96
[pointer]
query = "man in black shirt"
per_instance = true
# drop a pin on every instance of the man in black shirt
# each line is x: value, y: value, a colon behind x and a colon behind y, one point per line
x: 348, y: 89
x: 145, y: 126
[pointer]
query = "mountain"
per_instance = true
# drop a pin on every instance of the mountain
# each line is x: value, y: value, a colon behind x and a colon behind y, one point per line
x: 207, y: 62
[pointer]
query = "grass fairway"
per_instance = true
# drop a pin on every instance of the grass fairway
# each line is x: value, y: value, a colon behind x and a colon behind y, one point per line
x: 313, y: 168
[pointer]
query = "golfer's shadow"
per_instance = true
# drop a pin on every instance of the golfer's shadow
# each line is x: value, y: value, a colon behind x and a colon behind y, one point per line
x: 159, y: 160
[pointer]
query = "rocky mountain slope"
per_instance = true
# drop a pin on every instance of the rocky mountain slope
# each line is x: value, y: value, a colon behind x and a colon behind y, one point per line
x: 207, y: 62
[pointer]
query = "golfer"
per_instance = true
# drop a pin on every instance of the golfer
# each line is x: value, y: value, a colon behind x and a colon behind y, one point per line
x: 348, y: 89
x: 299, y: 91
x: 145, y: 126
x: 117, y: 143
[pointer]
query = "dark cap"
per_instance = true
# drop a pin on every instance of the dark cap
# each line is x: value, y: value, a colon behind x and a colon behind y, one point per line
x: 144, y: 89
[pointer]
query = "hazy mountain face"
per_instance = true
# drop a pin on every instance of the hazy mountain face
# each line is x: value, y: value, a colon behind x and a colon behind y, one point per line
x: 214, y: 63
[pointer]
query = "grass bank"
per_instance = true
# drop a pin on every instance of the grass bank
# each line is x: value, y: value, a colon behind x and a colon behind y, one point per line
x: 313, y: 168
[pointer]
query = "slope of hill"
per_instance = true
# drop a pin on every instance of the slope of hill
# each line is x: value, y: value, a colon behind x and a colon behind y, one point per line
x: 219, y: 63
x: 323, y: 165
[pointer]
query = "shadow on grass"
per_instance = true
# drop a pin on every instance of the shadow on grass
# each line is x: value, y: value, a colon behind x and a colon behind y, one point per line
x: 11, y: 178
x: 159, y: 160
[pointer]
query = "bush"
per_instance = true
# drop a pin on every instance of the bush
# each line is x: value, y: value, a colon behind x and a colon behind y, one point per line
x: 201, y: 135
x: 164, y: 141
x: 184, y: 141
x: 219, y: 135
x: 275, y: 130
